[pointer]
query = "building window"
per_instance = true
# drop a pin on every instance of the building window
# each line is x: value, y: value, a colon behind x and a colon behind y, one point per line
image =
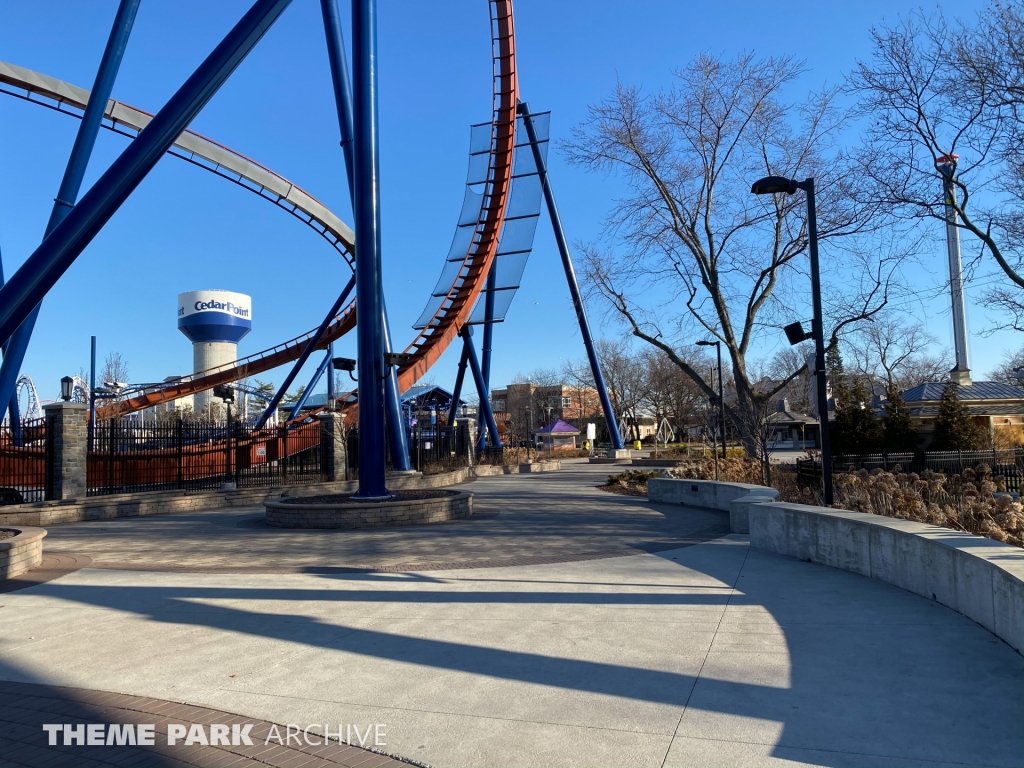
x: 566, y: 402
x: 499, y: 405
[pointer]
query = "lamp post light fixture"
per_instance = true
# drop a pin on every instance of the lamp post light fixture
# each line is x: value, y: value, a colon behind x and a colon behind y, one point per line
x: 721, y: 399
x: 67, y: 388
x: 773, y: 185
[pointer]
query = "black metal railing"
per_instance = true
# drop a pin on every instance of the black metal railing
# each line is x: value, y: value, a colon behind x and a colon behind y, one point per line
x: 1007, y: 463
x: 185, y: 455
x: 23, y: 463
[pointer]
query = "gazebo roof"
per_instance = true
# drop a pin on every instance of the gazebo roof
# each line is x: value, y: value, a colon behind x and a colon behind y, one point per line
x: 558, y: 428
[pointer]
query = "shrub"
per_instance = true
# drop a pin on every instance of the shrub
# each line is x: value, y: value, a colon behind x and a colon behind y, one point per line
x: 732, y: 470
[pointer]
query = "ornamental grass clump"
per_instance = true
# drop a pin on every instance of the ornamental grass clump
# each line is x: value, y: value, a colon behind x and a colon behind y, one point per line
x: 733, y: 470
x: 974, y: 501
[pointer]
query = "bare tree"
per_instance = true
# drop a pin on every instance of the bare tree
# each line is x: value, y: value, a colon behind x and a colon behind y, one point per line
x: 797, y: 389
x: 933, y: 90
x: 114, y: 371
x: 895, y: 350
x: 1006, y: 371
x: 628, y: 382
x: 693, y: 253
x: 671, y: 393
x: 578, y: 377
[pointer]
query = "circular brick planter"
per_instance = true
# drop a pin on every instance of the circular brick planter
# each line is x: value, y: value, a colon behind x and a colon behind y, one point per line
x: 344, y: 512
x: 21, y: 552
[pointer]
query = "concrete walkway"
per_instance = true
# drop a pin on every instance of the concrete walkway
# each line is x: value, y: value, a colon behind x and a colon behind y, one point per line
x: 703, y: 655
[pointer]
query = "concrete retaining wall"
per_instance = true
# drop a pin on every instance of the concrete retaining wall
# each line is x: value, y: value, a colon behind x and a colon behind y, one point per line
x: 21, y: 552
x: 387, y: 514
x: 709, y: 494
x: 489, y: 470
x: 975, y: 576
x: 47, y: 513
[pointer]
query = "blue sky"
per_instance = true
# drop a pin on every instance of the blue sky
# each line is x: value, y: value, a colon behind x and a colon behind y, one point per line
x: 185, y: 229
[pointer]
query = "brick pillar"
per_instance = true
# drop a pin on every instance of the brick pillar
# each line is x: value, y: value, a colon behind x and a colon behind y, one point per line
x: 467, y: 438
x: 333, y: 450
x: 67, y: 435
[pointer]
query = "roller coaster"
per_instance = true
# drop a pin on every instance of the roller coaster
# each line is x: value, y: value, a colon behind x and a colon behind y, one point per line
x: 506, y: 182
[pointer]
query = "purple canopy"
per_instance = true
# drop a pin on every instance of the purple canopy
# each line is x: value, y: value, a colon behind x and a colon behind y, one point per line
x: 558, y: 428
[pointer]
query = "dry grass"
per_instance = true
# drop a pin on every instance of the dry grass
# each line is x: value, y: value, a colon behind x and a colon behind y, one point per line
x: 974, y: 501
x: 632, y: 482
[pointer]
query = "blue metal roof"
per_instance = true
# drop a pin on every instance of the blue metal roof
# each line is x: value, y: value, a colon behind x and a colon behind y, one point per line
x: 931, y: 391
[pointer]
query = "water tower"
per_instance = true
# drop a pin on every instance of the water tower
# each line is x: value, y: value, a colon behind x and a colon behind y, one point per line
x: 214, y: 321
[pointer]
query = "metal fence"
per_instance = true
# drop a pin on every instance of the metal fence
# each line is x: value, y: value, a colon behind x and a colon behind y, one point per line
x: 1008, y: 464
x: 23, y: 463
x: 127, y: 458
x: 432, y: 449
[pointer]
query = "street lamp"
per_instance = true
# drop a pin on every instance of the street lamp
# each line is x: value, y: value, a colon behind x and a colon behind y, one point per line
x: 721, y: 400
x: 67, y: 388
x: 772, y: 185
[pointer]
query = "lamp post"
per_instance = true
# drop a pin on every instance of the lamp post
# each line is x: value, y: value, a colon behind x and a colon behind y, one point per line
x: 67, y: 388
x: 771, y: 185
x: 721, y: 399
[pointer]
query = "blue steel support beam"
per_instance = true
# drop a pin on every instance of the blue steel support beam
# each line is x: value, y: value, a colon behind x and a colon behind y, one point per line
x: 312, y: 383
x: 13, y: 408
x: 485, y: 362
x: 331, y: 396
x: 310, y: 346
x: 58, y: 251
x: 485, y: 401
x: 74, y: 172
x: 366, y: 205
x: 570, y: 276
x: 453, y: 410
x: 343, y: 102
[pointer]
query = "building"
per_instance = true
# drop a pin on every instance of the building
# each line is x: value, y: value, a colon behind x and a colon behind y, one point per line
x: 520, y: 409
x: 997, y: 408
x: 791, y: 430
x: 558, y: 436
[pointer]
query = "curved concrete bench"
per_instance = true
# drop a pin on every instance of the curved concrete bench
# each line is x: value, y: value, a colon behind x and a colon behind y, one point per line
x: 710, y: 494
x: 21, y: 552
x: 977, y: 577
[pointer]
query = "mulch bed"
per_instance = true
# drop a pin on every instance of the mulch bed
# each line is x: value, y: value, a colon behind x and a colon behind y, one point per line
x: 627, y: 490
x: 7, y: 534
x: 349, y: 498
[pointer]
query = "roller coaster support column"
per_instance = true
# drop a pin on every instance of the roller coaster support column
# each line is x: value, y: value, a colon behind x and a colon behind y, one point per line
x: 343, y: 101
x: 331, y: 396
x: 492, y: 282
x: 570, y: 276
x: 453, y: 409
x: 310, y: 346
x: 44, y: 267
x: 13, y: 407
x: 71, y: 184
x: 297, y: 407
x: 366, y: 205
x: 485, y: 401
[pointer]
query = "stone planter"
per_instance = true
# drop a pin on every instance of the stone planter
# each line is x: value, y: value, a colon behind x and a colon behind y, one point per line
x: 345, y: 513
x: 22, y: 552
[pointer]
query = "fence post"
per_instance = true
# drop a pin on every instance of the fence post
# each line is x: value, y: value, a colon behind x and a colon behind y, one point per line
x: 67, y: 450
x: 180, y: 430
x: 284, y: 455
x: 111, y: 452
